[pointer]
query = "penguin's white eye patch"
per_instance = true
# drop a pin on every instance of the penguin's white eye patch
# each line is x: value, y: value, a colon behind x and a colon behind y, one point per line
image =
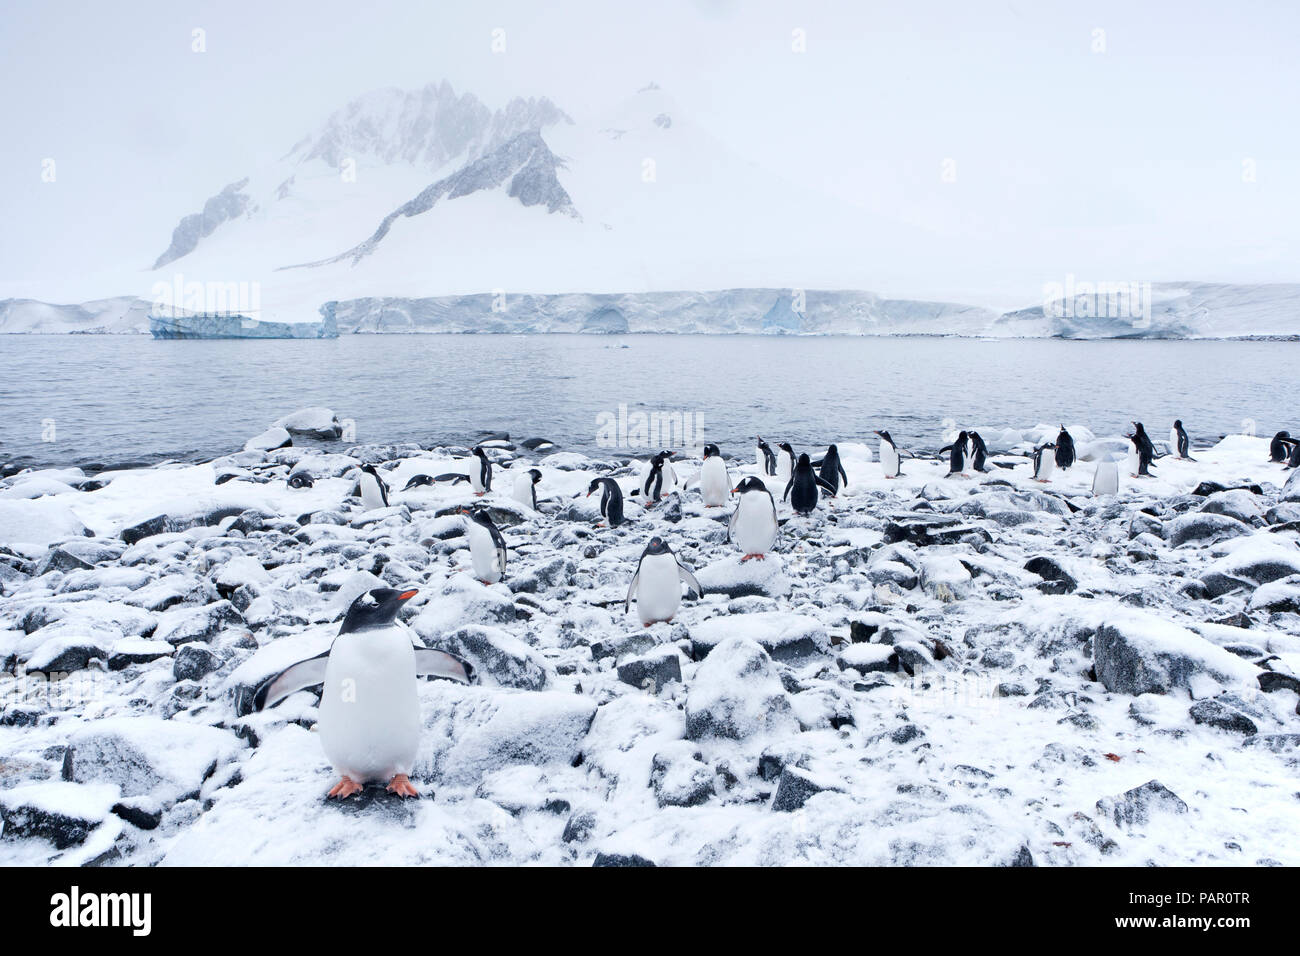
x: 368, y: 599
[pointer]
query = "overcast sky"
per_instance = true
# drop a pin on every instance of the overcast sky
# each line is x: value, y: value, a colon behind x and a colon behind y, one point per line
x: 1134, y: 161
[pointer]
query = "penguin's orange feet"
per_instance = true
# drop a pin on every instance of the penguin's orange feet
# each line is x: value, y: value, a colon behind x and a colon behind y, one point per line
x: 344, y: 788
x: 752, y: 557
x: 479, y: 494
x: 402, y: 786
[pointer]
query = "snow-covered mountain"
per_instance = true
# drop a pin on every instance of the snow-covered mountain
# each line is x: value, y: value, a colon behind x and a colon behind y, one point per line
x: 429, y: 210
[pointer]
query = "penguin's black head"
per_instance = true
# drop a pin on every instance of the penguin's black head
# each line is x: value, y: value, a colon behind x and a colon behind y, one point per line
x: 805, y: 461
x: 1283, y: 434
x: 962, y: 436
x: 750, y: 484
x: 886, y: 436
x: 1137, y: 427
x: 786, y: 446
x: 376, y: 608
x: 537, y: 475
x: 478, y: 450
x: 370, y: 469
x: 478, y: 514
x: 832, y: 450
x: 1178, y: 423
x: 591, y: 488
x: 711, y: 450
x: 762, y: 444
x: 657, y: 545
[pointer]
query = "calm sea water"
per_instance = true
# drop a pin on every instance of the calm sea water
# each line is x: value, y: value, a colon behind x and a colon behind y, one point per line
x: 118, y: 399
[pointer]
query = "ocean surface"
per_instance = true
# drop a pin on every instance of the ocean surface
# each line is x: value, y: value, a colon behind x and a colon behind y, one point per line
x: 105, y: 400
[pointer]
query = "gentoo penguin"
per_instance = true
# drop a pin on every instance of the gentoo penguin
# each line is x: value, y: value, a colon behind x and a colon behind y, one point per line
x: 956, y: 454
x: 979, y: 452
x: 804, y: 484
x: 657, y: 583
x: 611, y: 499
x: 1043, y: 464
x: 487, y: 548
x: 525, y: 489
x: 418, y: 481
x: 369, y: 719
x: 1277, y: 448
x: 715, y: 486
x: 1139, y: 456
x: 832, y: 472
x: 766, y: 457
x: 300, y: 479
x: 480, y: 477
x: 753, y: 526
x: 1105, y: 481
x: 1293, y: 458
x: 658, y: 480
x: 1064, y: 450
x: 784, y: 463
x: 1144, y: 439
x: 890, y: 461
x: 374, y: 493
x: 1179, y: 443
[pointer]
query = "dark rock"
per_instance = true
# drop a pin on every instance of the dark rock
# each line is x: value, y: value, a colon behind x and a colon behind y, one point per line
x: 1010, y: 690
x: 621, y: 859
x: 1135, y: 807
x: 1270, y: 681
x: 194, y: 662
x: 145, y: 529
x: 651, y: 673
x: 1212, y: 713
x: 1216, y: 584
x: 59, y: 560
x: 1058, y: 580
x: 509, y: 661
x: 906, y: 734
x: 578, y: 827
x: 796, y: 787
x: 142, y: 816
x: 680, y: 779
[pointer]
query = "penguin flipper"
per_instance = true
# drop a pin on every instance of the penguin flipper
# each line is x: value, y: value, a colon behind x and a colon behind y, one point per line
x: 631, y: 589
x: 499, y: 540
x: 844, y: 476
x: 827, y: 485
x: 788, y: 486
x: 731, y: 523
x: 430, y: 662
x: 687, y: 576
x: 300, y: 676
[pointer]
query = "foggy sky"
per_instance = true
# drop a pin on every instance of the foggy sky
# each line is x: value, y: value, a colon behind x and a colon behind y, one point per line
x: 1127, y: 163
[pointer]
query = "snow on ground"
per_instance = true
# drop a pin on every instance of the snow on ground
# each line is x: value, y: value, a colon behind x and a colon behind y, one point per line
x: 969, y: 670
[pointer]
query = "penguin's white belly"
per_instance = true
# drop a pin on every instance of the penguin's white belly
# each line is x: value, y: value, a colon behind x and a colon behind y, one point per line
x: 659, y: 589
x: 755, y: 528
x: 1173, y: 443
x: 889, y: 459
x: 1133, y: 463
x: 476, y: 477
x: 713, y: 481
x: 523, y: 490
x: 784, y: 469
x: 1046, y: 462
x: 371, y: 496
x: 1106, y: 480
x: 370, y: 705
x: 483, y: 554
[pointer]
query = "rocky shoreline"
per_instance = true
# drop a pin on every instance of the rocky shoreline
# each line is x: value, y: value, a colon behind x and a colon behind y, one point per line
x: 984, y: 670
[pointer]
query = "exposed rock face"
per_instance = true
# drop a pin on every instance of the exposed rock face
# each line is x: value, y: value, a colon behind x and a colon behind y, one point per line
x: 231, y: 203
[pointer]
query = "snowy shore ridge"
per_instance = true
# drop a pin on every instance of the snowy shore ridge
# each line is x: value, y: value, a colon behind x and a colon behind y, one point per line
x: 1165, y: 311
x: 984, y: 669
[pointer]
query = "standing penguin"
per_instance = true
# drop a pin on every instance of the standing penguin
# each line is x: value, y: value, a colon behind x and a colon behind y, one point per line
x: 1043, y: 464
x: 487, y: 546
x: 1105, y: 481
x: 374, y: 493
x: 480, y: 476
x: 657, y: 583
x: 890, y: 461
x: 715, y: 486
x: 525, y: 489
x: 979, y: 452
x: 804, y: 484
x: 832, y: 472
x: 611, y: 499
x: 370, y: 705
x: 1144, y: 440
x: 1064, y: 450
x: 1277, y: 448
x: 784, y: 463
x: 658, y: 480
x: 1179, y: 443
x: 753, y: 526
x: 956, y: 455
x: 766, y: 457
x: 1139, y: 456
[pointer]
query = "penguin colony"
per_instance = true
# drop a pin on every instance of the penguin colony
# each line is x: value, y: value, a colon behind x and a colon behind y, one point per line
x: 369, y: 717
